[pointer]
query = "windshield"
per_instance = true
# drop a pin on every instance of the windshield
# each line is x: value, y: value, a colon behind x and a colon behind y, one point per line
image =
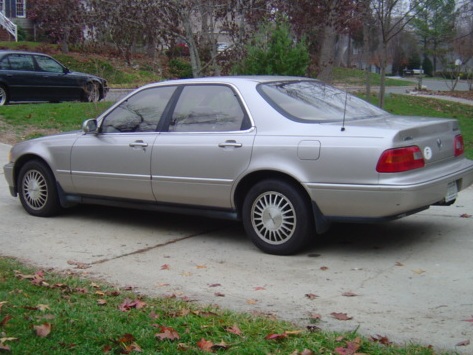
x: 316, y: 101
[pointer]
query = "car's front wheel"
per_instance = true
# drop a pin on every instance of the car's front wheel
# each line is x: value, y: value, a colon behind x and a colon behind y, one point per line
x: 3, y: 95
x: 277, y: 217
x: 91, y: 92
x: 37, y: 189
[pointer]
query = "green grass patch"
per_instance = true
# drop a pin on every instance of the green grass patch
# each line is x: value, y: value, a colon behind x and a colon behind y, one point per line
x: 33, y: 120
x: 46, y: 313
x: 355, y: 77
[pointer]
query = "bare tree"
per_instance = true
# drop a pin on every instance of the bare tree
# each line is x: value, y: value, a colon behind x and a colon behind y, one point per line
x: 392, y: 17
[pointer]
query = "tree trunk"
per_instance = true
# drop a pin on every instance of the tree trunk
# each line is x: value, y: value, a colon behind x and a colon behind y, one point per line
x: 327, y: 55
x: 382, y: 84
x: 327, y: 50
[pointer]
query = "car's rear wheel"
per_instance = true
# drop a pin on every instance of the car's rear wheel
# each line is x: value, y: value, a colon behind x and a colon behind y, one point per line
x: 3, y: 95
x: 92, y: 92
x: 277, y: 217
x: 37, y: 189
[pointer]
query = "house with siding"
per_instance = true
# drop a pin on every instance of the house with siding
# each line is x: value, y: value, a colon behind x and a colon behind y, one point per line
x: 13, y: 15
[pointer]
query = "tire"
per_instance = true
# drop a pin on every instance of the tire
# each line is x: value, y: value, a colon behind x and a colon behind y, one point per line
x: 4, y: 98
x: 277, y: 217
x: 91, y: 92
x: 37, y: 189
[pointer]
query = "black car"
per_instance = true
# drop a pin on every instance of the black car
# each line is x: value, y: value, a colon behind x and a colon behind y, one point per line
x: 27, y: 76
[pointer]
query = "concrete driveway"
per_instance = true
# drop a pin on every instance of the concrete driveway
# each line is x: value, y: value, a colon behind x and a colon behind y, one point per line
x: 409, y: 280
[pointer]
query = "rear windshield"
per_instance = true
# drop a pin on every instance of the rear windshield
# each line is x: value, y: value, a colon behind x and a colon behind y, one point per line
x: 316, y: 101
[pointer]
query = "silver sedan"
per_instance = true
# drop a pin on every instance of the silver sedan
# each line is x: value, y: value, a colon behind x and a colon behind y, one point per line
x: 287, y: 156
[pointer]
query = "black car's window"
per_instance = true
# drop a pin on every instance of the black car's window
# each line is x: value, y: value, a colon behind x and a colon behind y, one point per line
x: 316, y: 101
x: 48, y: 64
x: 18, y: 62
x: 140, y: 113
x: 207, y: 108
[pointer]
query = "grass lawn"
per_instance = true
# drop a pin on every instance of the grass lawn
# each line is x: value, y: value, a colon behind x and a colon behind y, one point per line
x: 45, y: 313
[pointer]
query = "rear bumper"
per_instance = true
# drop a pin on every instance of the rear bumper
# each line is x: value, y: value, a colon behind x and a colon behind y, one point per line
x: 379, y: 202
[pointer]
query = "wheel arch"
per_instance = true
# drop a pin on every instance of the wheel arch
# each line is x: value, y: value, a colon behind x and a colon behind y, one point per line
x: 21, y: 161
x: 250, y: 180
x: 322, y: 224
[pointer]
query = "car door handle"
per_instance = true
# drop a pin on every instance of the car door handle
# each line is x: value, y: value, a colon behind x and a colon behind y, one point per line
x: 140, y: 144
x: 230, y: 143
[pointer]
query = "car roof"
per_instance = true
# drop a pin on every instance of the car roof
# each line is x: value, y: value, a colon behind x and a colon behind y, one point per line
x: 8, y: 51
x: 257, y: 79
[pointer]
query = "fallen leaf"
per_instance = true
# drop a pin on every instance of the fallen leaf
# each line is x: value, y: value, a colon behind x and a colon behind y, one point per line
x: 311, y: 296
x: 384, y: 340
x: 465, y: 215
x: 418, y: 271
x: 251, y: 301
x: 234, y: 330
x: 215, y: 285
x: 183, y: 347
x: 323, y: 268
x: 42, y: 307
x: 469, y: 320
x: 43, y: 330
x: 220, y: 346
x: 463, y: 343
x: 219, y: 294
x: 205, y: 345
x: 167, y: 333
x: 351, y: 348
x: 399, y: 263
x: 201, y: 266
x: 259, y: 288
x: 126, y: 338
x: 349, y: 294
x: 101, y: 302
x: 276, y: 336
x: 313, y: 328
x: 153, y: 315
x: 129, y: 304
x: 340, y: 316
x: 5, y: 320
x: 78, y: 264
x: 165, y: 267
x: 315, y: 316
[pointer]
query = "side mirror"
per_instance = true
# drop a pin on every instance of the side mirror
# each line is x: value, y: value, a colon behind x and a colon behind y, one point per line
x: 90, y: 126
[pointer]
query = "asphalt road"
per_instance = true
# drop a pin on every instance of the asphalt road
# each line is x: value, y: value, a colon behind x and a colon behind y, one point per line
x: 409, y: 280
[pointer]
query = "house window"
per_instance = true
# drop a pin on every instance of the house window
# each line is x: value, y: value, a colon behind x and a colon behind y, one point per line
x: 20, y: 8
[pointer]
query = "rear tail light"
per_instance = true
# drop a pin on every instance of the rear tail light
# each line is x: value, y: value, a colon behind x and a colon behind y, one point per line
x: 459, y: 146
x: 400, y: 159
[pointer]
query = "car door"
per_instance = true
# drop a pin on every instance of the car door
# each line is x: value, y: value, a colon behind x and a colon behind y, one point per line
x: 115, y: 162
x: 58, y: 83
x: 207, y: 147
x: 19, y: 73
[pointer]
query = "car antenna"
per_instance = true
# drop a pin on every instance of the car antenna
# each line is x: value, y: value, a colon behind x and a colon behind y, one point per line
x: 344, y: 109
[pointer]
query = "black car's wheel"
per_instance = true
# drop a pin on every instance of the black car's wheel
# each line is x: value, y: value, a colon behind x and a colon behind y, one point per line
x: 91, y: 92
x: 277, y: 217
x: 3, y: 95
x: 37, y: 189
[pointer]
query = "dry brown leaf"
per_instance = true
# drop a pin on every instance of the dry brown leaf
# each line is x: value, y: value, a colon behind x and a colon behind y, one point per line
x: 43, y: 330
x: 463, y: 343
x: 349, y: 294
x: 340, y: 316
x: 311, y: 296
x: 205, y: 345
